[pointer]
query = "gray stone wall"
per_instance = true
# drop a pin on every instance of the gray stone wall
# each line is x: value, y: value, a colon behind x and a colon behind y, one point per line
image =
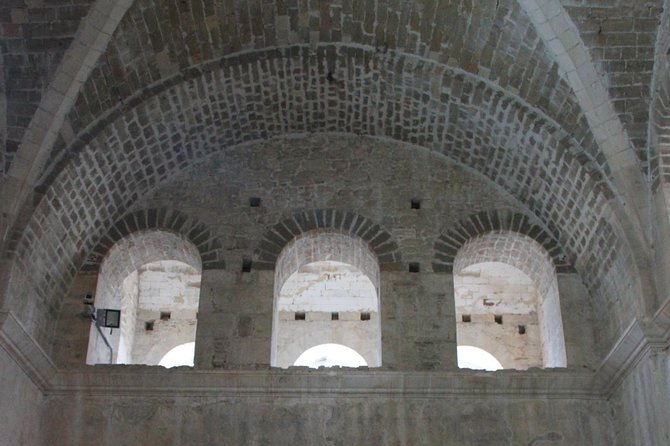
x: 327, y: 420
x: 20, y: 405
x: 641, y: 405
x: 288, y: 176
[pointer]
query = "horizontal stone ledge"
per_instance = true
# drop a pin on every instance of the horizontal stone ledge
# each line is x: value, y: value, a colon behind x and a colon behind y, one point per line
x: 137, y: 380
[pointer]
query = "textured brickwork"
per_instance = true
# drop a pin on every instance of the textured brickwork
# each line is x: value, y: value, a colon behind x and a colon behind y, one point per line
x: 475, y: 225
x: 162, y: 219
x: 621, y: 37
x: 33, y: 38
x: 659, y: 141
x: 509, y: 53
x: 593, y: 239
x: 279, y: 236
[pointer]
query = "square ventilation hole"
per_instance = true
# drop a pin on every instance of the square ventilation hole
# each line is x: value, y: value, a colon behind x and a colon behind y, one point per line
x: 246, y: 266
x: 415, y: 203
x: 522, y: 329
x: 335, y: 316
x: 414, y: 267
x: 365, y: 316
x: 148, y: 325
x: 165, y: 315
x: 498, y: 318
x: 254, y: 202
x: 466, y: 318
x: 300, y: 316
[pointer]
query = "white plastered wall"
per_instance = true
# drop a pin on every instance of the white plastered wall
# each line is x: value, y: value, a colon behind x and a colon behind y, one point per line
x: 122, y: 260
x: 320, y: 273
x: 528, y: 257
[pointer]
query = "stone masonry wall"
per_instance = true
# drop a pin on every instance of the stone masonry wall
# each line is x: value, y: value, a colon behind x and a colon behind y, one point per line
x: 327, y: 420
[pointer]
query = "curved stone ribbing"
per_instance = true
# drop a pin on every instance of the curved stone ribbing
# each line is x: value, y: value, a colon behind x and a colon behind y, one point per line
x: 163, y: 219
x: 278, y: 236
x: 398, y: 97
x: 447, y: 246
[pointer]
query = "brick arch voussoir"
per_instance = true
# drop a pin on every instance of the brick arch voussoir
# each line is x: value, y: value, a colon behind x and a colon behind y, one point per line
x: 193, y: 230
x: 448, y: 244
x: 659, y: 151
x: 278, y: 236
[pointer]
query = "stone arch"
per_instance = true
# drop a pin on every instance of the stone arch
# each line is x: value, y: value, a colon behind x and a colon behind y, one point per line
x: 310, y: 263
x: 448, y: 244
x: 526, y: 255
x: 123, y: 260
x: 278, y: 236
x: 197, y: 126
x: 164, y: 219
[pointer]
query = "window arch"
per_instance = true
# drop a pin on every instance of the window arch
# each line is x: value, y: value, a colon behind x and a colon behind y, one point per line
x: 326, y: 292
x: 153, y: 277
x: 476, y: 358
x: 507, y: 303
x: 181, y: 355
x: 328, y: 355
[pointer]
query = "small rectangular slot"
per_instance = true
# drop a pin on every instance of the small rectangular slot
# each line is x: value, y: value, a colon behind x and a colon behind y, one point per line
x: 365, y: 316
x: 522, y: 329
x: 414, y: 267
x: 466, y: 318
x: 415, y: 203
x: 334, y: 316
x: 254, y: 202
x: 300, y: 316
x: 498, y: 319
x: 246, y: 266
x: 149, y: 325
x: 165, y: 315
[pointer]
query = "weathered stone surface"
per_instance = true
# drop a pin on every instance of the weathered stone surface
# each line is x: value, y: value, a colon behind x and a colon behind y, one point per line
x: 414, y: 126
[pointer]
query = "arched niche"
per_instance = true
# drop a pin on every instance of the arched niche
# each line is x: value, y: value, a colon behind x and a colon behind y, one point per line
x: 507, y: 300
x: 326, y: 292
x: 153, y: 277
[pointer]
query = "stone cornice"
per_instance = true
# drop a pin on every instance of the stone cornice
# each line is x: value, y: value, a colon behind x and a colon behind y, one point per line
x: 136, y: 380
x: 641, y: 337
x: 23, y: 349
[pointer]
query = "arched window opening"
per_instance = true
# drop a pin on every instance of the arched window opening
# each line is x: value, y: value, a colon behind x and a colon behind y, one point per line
x: 153, y: 277
x: 329, y: 355
x: 475, y: 358
x: 181, y: 355
x: 506, y: 298
x: 326, y: 293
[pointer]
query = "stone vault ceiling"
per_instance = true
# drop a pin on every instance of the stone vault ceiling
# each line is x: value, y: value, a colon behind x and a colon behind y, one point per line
x: 176, y: 81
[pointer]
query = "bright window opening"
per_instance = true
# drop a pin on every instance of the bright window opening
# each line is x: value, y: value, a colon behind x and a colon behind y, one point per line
x: 507, y: 303
x: 326, y: 293
x: 329, y: 355
x: 181, y: 355
x: 153, y: 277
x: 475, y: 358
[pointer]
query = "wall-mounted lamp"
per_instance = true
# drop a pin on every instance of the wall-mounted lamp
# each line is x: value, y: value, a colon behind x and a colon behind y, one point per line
x: 107, y: 318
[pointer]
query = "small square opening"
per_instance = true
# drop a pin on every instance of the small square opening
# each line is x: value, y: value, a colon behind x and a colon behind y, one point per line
x: 149, y: 325
x: 300, y: 316
x: 414, y: 267
x: 334, y: 316
x: 415, y: 203
x: 254, y: 202
x: 166, y: 315
x: 522, y: 329
x: 466, y: 318
x: 365, y: 316
x: 246, y: 266
x: 498, y: 319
